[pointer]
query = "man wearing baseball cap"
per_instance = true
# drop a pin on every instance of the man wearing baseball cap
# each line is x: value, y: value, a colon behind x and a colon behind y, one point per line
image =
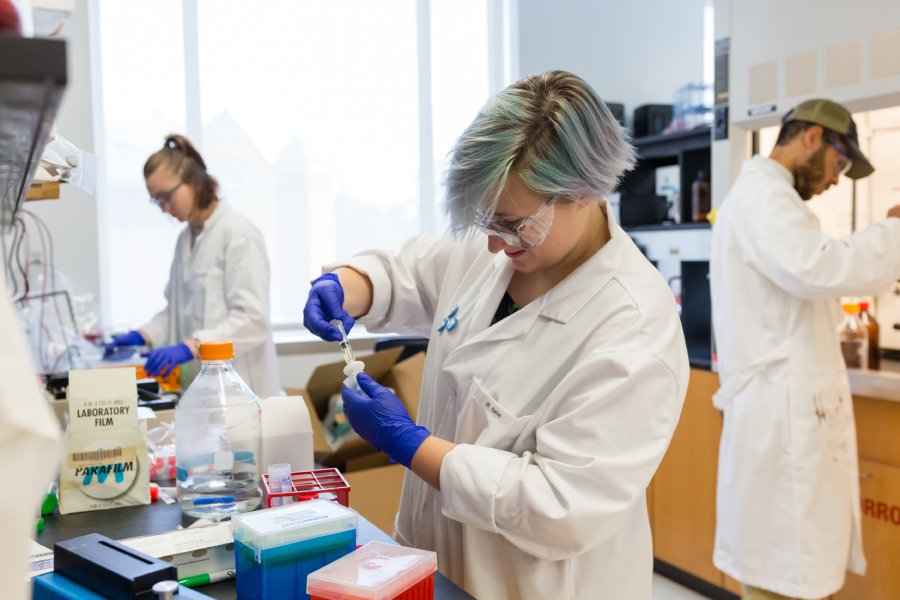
x: 787, y: 515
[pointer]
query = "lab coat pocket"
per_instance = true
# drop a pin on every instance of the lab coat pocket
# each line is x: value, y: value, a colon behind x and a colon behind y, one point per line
x: 831, y: 408
x: 826, y: 403
x: 485, y: 422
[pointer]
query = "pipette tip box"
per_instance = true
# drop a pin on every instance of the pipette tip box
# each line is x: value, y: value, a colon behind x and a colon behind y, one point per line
x: 377, y: 571
x: 277, y: 548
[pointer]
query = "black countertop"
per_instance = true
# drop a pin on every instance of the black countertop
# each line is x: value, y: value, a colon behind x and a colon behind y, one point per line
x: 158, y: 517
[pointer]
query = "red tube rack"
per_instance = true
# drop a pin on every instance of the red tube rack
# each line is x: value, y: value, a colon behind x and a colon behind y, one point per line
x: 309, y: 485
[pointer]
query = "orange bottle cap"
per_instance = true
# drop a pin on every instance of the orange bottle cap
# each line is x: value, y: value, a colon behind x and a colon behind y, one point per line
x: 216, y: 351
x: 864, y: 306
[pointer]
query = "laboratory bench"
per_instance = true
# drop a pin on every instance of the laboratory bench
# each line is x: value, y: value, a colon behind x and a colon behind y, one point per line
x: 883, y: 384
x: 158, y: 517
x: 681, y: 499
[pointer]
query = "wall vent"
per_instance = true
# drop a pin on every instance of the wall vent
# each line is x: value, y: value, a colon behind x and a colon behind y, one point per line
x: 886, y: 54
x: 843, y: 64
x: 801, y: 73
x: 763, y: 84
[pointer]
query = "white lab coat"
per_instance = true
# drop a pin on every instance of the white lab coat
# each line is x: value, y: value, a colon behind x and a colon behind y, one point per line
x: 30, y: 439
x: 788, y: 514
x: 562, y: 412
x: 219, y: 290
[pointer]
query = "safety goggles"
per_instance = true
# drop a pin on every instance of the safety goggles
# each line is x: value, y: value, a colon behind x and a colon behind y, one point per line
x: 526, y: 233
x: 844, y: 160
x: 164, y: 198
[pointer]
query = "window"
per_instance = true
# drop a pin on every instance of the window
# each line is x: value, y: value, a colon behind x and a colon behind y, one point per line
x: 327, y: 124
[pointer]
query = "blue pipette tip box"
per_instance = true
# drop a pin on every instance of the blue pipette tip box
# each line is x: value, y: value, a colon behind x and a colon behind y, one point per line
x: 277, y: 548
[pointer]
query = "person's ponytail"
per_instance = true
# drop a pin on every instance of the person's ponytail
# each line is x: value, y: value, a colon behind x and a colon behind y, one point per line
x: 179, y: 154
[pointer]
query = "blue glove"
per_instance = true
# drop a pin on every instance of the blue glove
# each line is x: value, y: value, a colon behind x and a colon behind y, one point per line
x: 380, y: 418
x: 326, y: 302
x: 132, y: 338
x: 161, y: 361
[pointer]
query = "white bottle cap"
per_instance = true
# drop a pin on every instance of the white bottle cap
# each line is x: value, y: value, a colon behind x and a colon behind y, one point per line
x: 354, y: 367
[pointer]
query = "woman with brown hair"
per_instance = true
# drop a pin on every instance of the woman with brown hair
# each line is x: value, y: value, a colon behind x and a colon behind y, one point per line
x: 219, y: 281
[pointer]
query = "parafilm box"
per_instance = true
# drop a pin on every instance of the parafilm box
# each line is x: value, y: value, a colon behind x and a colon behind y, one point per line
x: 105, y: 463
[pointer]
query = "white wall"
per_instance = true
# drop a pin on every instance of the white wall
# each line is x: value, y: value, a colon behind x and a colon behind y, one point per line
x: 634, y: 52
x: 73, y: 218
x: 852, y: 49
x: 835, y: 36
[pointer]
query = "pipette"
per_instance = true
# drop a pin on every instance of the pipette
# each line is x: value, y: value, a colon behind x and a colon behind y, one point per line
x: 345, y: 345
x: 354, y: 366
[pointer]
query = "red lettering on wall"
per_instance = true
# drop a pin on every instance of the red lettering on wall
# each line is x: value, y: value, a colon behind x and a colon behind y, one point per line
x: 882, y: 511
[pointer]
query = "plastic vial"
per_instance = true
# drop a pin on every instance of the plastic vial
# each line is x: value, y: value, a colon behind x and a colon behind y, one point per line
x: 351, y: 371
x: 280, y: 483
x: 854, y: 339
x: 217, y: 440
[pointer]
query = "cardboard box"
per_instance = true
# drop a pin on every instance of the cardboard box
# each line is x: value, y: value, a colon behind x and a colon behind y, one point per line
x: 404, y: 377
x: 375, y: 494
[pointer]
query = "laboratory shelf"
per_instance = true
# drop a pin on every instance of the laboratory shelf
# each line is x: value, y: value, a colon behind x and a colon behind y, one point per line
x: 32, y: 81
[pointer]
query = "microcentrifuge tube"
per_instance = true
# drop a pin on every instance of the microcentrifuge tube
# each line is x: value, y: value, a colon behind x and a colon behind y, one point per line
x: 345, y: 345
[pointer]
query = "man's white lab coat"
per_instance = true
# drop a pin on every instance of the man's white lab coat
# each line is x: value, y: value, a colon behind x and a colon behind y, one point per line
x: 219, y: 290
x: 788, y: 514
x: 562, y: 410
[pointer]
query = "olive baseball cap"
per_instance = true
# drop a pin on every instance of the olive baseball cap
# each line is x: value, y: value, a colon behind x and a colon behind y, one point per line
x: 836, y: 118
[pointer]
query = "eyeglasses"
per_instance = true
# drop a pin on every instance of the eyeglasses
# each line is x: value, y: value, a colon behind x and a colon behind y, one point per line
x: 844, y: 161
x: 527, y: 233
x: 164, y: 198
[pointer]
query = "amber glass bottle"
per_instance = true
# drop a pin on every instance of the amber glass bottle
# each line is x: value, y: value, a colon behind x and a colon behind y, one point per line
x: 871, y: 325
x: 700, y: 198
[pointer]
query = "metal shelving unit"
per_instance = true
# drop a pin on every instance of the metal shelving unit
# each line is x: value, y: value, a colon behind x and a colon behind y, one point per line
x: 32, y: 81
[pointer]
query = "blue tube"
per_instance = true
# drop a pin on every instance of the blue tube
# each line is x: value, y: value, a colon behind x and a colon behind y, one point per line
x: 213, y: 500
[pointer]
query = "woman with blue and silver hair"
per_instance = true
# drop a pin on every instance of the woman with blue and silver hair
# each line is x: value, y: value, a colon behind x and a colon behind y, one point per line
x: 556, y: 366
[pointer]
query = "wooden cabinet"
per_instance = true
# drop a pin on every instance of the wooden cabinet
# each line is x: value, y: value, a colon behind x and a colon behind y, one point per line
x: 877, y: 428
x: 681, y: 499
x: 684, y: 488
x: 880, y: 497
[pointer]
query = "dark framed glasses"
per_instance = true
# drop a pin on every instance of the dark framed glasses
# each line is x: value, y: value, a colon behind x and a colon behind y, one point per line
x: 162, y: 199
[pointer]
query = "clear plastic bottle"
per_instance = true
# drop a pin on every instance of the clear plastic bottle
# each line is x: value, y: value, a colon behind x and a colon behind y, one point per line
x: 871, y: 326
x: 854, y: 338
x: 217, y: 440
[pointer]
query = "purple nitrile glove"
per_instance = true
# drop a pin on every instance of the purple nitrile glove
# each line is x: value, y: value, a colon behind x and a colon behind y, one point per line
x: 132, y: 338
x: 380, y: 418
x: 161, y: 361
x: 326, y: 302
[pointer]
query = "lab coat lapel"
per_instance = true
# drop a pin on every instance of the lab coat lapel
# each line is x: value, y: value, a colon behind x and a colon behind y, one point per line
x: 482, y: 299
x: 572, y: 294
x: 210, y: 224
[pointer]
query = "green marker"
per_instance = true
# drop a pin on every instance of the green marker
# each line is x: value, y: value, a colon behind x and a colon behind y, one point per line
x: 206, y: 578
